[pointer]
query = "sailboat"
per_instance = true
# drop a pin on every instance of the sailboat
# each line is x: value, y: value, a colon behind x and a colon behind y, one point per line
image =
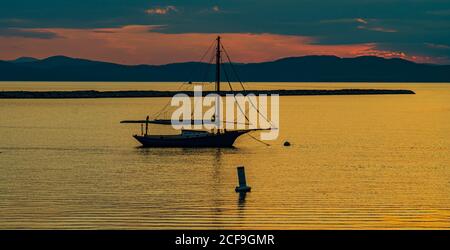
x: 217, y: 138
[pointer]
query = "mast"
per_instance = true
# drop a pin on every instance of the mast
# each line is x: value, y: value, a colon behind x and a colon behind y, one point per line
x: 217, y: 114
x: 218, y: 66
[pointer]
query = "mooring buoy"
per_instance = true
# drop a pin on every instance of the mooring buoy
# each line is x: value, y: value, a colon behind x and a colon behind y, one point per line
x: 287, y: 144
x: 242, y: 181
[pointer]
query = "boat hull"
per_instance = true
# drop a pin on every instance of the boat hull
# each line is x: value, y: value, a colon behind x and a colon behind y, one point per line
x: 223, y: 140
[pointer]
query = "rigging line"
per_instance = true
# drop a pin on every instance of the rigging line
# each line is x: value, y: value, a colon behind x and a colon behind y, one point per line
x: 229, y: 84
x: 239, y: 106
x: 256, y: 139
x: 208, y: 68
x: 201, y: 59
x: 160, y: 112
x: 232, y: 67
x: 179, y: 88
x: 183, y: 83
x: 205, y: 76
x: 242, y: 85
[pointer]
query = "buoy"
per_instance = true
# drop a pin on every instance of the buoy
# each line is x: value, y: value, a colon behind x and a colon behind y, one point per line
x: 242, y: 181
x: 287, y: 144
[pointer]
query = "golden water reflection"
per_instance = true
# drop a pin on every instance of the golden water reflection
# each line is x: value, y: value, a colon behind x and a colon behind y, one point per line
x: 356, y: 162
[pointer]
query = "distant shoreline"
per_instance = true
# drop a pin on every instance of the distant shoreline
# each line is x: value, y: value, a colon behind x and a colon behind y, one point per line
x: 290, y: 69
x: 90, y: 94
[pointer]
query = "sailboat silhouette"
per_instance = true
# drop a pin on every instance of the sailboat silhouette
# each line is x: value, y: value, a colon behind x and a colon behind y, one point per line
x: 217, y: 138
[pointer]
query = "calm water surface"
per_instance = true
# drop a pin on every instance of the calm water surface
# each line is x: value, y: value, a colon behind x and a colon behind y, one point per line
x: 356, y: 162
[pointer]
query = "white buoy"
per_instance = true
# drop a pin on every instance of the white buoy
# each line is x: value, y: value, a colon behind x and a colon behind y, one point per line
x: 242, y: 181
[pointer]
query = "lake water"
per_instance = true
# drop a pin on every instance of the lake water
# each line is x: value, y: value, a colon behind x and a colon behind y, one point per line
x: 356, y: 162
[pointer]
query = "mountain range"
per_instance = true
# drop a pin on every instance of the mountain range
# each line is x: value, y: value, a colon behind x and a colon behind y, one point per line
x: 292, y: 69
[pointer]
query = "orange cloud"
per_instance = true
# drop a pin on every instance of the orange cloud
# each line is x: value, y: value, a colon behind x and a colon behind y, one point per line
x: 360, y: 20
x: 161, y: 10
x: 379, y: 29
x: 139, y: 44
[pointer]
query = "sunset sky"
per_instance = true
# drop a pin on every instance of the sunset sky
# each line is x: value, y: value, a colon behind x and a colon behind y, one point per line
x: 160, y: 32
